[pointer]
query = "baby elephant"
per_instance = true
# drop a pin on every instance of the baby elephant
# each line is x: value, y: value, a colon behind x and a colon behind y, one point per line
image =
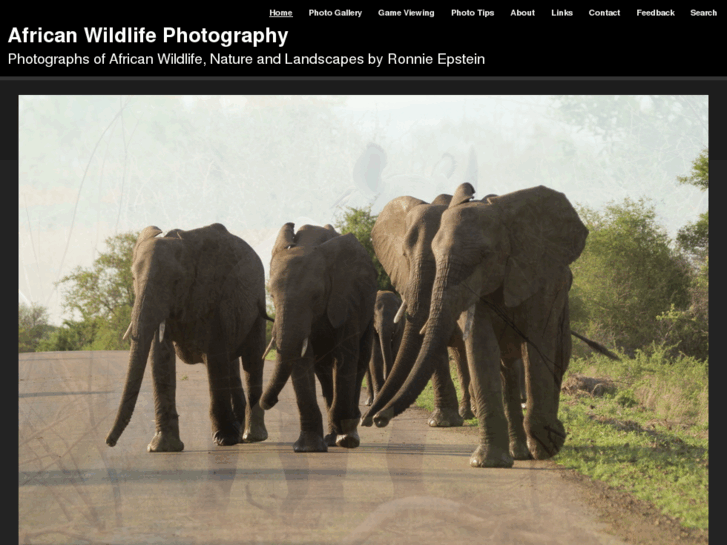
x: 385, y: 345
x: 323, y: 286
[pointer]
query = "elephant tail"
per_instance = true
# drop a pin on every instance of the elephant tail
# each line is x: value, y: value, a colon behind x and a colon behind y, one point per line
x: 263, y: 311
x: 596, y: 346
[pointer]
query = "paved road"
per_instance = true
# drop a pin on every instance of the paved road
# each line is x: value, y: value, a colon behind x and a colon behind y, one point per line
x: 406, y: 483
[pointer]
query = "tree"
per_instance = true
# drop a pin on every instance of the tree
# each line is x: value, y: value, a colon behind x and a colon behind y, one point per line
x: 693, y: 238
x: 33, y: 326
x: 103, y: 296
x: 359, y: 222
x: 687, y: 330
x: 627, y: 275
x: 700, y: 172
x: 71, y: 336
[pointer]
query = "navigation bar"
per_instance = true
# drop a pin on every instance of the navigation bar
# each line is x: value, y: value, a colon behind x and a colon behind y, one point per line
x: 489, y: 12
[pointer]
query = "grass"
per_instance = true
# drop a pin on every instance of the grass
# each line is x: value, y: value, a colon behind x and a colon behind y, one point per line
x: 647, y: 436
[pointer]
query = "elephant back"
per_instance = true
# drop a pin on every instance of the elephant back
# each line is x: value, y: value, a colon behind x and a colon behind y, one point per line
x: 313, y: 235
x: 225, y: 268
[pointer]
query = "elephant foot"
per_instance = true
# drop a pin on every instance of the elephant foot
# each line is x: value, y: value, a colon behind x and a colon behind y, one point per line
x: 519, y: 450
x: 256, y: 430
x: 545, y: 440
x: 445, y: 418
x: 228, y: 436
x: 310, y: 441
x: 348, y: 438
x: 465, y: 411
x: 330, y: 439
x: 165, y: 442
x: 383, y: 417
x: 225, y: 439
x: 490, y: 456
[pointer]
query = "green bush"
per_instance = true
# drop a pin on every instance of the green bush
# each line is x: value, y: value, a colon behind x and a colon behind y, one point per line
x: 627, y: 275
x: 359, y: 221
x: 33, y: 326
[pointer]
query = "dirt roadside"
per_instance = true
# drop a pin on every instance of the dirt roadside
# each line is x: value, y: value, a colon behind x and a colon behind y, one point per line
x: 633, y: 520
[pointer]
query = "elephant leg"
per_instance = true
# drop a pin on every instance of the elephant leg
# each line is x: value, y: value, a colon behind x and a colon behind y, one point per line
x: 365, y: 355
x: 369, y: 389
x: 226, y: 430
x: 446, y: 413
x: 344, y: 413
x: 311, y: 420
x: 252, y: 365
x: 375, y: 371
x: 483, y: 357
x: 546, y: 355
x: 458, y: 353
x: 237, y: 394
x: 324, y: 372
x: 511, y: 376
x: 166, y: 438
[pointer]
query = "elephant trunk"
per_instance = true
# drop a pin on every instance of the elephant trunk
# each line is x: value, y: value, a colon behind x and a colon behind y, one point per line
x: 438, y: 331
x: 410, y: 344
x: 443, y: 315
x: 387, y: 356
x: 138, y: 356
x: 147, y: 319
x: 417, y: 297
x: 417, y: 306
x: 281, y: 374
x: 290, y: 348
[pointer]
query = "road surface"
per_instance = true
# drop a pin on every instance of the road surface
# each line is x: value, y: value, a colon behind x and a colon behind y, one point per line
x: 406, y: 483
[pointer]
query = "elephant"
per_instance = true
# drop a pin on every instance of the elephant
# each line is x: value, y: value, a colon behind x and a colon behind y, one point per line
x: 199, y: 294
x: 502, y: 274
x: 386, y: 341
x: 323, y: 286
x: 401, y: 239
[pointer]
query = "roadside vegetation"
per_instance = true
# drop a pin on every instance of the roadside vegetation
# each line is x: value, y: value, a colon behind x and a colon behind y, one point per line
x: 640, y: 425
x: 647, y: 433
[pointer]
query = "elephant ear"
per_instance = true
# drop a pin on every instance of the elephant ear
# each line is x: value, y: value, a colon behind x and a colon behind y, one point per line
x: 387, y: 237
x: 352, y: 277
x: 545, y: 235
x: 368, y: 168
x: 147, y: 234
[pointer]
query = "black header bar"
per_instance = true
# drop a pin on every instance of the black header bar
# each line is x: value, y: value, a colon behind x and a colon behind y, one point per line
x: 520, y: 40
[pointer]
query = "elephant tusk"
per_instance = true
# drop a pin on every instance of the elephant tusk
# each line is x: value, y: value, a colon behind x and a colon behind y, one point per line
x: 468, y: 322
x: 162, y: 326
x: 400, y: 312
x: 270, y: 346
x: 126, y: 335
x: 423, y: 330
x: 305, y: 345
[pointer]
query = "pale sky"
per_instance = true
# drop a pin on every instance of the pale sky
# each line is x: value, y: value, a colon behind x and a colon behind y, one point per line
x: 88, y: 171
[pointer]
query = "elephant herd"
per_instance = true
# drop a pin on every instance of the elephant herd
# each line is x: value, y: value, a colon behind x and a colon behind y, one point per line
x: 483, y: 282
